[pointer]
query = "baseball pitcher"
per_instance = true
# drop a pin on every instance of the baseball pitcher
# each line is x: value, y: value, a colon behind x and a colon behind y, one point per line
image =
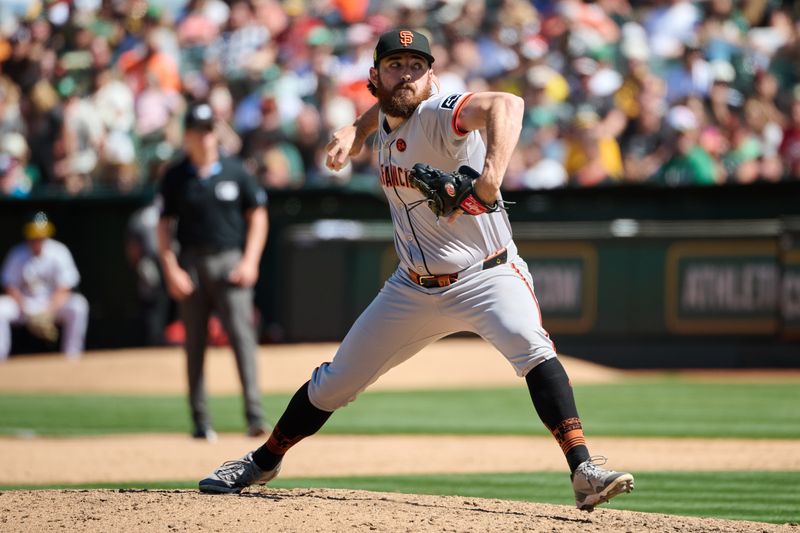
x: 459, y: 269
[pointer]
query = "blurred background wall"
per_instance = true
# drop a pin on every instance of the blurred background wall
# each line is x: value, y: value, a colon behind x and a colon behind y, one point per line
x: 630, y: 276
x: 656, y: 176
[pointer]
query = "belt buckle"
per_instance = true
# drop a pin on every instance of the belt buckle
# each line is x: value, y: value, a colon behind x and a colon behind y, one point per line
x: 422, y: 279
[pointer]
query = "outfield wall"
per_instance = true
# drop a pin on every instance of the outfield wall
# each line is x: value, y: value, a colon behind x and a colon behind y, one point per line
x: 633, y: 276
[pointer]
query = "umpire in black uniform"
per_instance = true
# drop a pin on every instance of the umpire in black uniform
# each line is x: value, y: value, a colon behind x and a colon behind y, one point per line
x: 222, y: 228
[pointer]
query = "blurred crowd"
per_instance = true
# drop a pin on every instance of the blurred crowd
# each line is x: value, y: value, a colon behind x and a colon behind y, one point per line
x: 672, y: 92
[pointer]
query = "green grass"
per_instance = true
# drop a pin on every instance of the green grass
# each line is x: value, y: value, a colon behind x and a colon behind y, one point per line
x: 669, y: 407
x: 760, y: 496
x: 661, y: 408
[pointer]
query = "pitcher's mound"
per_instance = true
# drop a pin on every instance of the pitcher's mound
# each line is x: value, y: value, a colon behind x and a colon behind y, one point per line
x: 322, y: 510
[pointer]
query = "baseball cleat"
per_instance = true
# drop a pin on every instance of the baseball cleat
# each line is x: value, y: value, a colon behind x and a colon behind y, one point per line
x: 233, y: 476
x: 594, y: 485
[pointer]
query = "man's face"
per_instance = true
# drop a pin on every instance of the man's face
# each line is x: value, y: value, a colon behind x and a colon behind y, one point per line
x: 686, y: 140
x: 200, y: 141
x: 403, y: 81
x: 36, y: 246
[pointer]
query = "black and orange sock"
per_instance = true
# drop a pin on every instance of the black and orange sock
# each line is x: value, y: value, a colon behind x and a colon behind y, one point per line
x: 300, y: 420
x: 553, y: 399
x: 569, y: 435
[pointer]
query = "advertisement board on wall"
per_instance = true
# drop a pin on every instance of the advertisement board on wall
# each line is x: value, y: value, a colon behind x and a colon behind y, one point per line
x: 565, y: 280
x: 722, y: 286
x: 790, y: 287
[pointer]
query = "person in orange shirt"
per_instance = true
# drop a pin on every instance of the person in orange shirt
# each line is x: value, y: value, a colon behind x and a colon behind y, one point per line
x: 147, y: 60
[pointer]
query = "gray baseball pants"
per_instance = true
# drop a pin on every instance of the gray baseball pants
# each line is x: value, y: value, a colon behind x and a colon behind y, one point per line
x: 498, y: 304
x: 234, y: 306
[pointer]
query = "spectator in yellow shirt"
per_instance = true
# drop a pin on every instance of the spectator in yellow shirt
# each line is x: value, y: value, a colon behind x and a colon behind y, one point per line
x: 592, y: 157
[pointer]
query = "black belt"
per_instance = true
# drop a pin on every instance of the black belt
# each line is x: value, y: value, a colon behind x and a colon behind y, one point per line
x: 445, y: 280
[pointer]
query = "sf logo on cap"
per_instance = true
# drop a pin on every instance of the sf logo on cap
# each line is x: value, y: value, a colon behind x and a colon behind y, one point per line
x: 406, y: 38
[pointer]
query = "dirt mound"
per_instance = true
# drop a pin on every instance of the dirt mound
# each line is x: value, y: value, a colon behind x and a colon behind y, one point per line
x: 316, y: 510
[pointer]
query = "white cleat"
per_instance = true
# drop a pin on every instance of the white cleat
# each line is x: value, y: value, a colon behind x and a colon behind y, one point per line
x: 233, y: 476
x: 594, y: 485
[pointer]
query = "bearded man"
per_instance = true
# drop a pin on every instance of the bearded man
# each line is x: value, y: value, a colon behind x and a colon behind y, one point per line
x: 462, y: 274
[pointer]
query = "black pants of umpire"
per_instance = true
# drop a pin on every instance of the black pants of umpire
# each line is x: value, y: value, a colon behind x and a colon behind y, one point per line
x: 234, y: 305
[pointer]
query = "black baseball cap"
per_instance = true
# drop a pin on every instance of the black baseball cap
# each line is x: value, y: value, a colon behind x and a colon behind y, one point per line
x: 396, y: 41
x: 199, y: 116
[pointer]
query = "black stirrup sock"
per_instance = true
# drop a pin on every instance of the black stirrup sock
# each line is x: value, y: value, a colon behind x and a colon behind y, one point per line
x: 300, y: 420
x: 551, y: 392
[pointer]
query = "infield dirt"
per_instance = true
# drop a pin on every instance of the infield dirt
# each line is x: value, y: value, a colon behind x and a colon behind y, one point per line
x: 143, y: 458
x: 323, y: 510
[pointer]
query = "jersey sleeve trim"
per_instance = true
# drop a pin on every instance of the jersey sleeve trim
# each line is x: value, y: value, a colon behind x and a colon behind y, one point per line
x: 457, y: 112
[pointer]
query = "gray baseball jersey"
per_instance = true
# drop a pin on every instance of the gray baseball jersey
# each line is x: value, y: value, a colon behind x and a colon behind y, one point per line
x: 424, y: 243
x: 496, y: 302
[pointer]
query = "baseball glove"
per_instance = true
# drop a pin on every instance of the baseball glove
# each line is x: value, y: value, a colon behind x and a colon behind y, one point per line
x: 447, y: 191
x: 42, y: 325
